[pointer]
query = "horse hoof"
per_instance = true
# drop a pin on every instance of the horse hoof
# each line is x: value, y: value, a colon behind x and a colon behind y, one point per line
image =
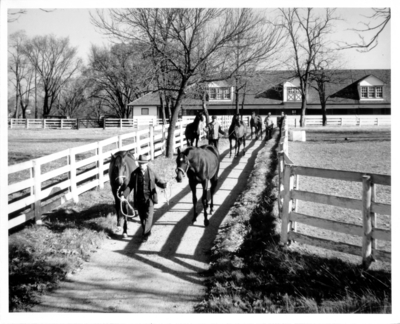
x: 125, y: 235
x: 206, y: 222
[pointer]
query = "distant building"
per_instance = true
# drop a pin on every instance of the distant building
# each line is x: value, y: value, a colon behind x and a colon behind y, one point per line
x: 361, y: 92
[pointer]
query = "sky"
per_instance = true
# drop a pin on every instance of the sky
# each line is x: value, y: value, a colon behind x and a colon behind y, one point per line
x: 75, y: 24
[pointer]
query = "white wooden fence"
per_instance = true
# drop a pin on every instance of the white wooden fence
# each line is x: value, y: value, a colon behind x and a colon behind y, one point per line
x: 349, y: 120
x: 289, y: 195
x: 48, y: 185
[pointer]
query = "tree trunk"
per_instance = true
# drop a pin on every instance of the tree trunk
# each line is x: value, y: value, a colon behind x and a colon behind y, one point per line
x: 16, y: 104
x: 237, y: 97
x: 205, y: 110
x: 174, y: 119
x: 324, y: 119
x: 303, y: 111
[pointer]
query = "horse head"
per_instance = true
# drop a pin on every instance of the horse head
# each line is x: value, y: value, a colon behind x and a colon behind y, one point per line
x: 119, y: 170
x: 182, y: 166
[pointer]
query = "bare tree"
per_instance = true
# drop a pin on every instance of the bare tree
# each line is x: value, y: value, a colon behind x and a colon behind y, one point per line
x: 21, y: 72
x: 369, y: 34
x: 307, y: 33
x: 120, y: 75
x: 74, y: 95
x: 187, y: 38
x: 321, y: 80
x: 55, y: 62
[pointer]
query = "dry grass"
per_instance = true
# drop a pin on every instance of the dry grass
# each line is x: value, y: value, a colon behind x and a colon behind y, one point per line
x: 365, y: 150
x: 262, y: 277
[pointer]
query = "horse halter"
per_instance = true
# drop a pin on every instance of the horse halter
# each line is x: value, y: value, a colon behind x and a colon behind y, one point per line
x: 183, y: 171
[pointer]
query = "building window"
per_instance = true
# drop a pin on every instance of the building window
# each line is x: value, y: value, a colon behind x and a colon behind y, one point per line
x: 293, y: 94
x: 145, y: 111
x: 373, y: 92
x: 219, y: 93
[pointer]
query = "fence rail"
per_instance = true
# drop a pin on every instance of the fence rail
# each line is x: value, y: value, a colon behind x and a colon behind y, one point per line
x: 83, y: 168
x: 290, y: 194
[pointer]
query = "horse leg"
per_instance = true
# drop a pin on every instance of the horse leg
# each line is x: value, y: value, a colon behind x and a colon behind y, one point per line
x: 194, y: 200
x: 230, y: 147
x: 244, y: 145
x: 214, y: 183
x: 117, y: 211
x: 204, y: 200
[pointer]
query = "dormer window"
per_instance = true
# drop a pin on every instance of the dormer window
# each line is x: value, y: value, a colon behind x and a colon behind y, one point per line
x: 293, y: 94
x: 219, y: 93
x: 371, y: 88
x: 371, y: 92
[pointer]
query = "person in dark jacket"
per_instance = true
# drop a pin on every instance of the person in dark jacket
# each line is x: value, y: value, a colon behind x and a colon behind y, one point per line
x: 143, y: 183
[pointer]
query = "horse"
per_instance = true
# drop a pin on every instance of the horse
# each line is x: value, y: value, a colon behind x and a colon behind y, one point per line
x: 200, y: 165
x: 122, y: 165
x: 256, y: 122
x: 237, y: 132
x: 192, y: 131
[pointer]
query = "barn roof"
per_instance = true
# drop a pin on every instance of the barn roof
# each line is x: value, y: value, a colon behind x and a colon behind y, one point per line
x: 267, y: 89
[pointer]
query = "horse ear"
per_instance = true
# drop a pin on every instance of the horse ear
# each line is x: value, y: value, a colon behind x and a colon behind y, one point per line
x: 125, y: 153
x: 112, y: 156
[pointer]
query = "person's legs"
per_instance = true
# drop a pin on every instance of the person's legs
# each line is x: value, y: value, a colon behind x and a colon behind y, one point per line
x: 148, y: 221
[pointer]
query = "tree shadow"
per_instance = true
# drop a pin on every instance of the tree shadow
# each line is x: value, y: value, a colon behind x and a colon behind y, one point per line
x: 169, y: 250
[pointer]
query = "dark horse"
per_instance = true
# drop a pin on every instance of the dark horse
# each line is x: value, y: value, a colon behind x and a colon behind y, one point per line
x: 122, y: 165
x: 256, y: 122
x: 237, y: 132
x: 192, y: 131
x: 201, y: 165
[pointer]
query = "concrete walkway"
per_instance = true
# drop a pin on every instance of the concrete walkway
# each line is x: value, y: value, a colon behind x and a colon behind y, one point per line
x: 162, y: 275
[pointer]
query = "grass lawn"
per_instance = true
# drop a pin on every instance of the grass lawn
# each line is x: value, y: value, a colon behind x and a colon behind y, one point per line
x: 29, y: 144
x: 365, y: 150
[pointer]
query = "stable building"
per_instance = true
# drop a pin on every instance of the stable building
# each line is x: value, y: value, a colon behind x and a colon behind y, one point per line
x: 348, y: 92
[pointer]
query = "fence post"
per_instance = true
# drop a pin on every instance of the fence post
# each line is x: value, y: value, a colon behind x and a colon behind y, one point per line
x: 100, y: 175
x: 341, y: 121
x: 151, y: 139
x: 37, y: 191
x: 77, y: 123
x: 120, y: 142
x: 377, y: 121
x: 163, y: 138
x: 367, y: 224
x: 295, y: 203
x: 280, y: 178
x: 181, y: 134
x: 286, y: 204
x: 72, y: 175
x: 27, y: 123
x: 62, y: 123
x: 373, y: 217
x: 137, y: 145
x: 44, y: 123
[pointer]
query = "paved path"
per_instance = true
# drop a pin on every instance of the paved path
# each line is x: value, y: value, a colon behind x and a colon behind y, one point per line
x: 162, y: 275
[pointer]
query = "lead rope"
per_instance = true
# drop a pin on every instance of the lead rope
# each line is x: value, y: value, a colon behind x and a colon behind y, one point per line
x: 124, y: 200
x: 168, y: 191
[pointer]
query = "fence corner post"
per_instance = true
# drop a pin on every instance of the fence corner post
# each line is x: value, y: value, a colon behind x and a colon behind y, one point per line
x: 367, y: 221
